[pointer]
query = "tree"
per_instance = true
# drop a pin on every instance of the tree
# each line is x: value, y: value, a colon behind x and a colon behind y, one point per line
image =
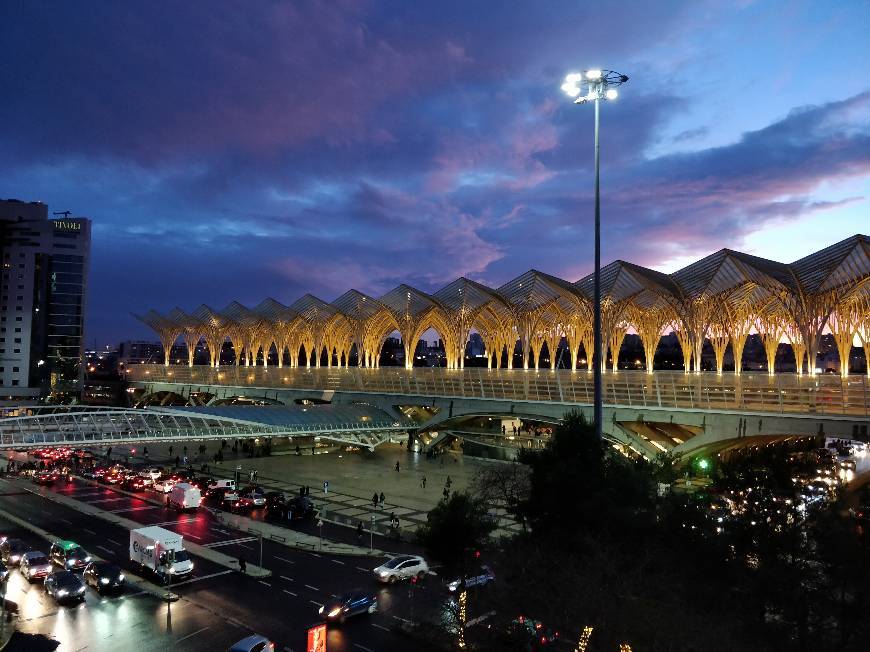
x: 455, y: 528
x: 505, y: 486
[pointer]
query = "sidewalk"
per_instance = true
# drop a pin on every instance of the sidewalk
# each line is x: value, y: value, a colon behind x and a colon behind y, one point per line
x: 353, y: 477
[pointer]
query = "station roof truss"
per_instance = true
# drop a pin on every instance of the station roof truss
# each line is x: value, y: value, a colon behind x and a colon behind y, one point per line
x: 722, y: 298
x: 356, y: 425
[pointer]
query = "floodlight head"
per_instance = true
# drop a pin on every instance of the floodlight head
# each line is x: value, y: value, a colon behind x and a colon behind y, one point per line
x: 572, y: 84
x: 593, y: 85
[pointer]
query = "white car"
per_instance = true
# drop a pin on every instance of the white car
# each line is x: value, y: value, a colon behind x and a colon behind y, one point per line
x: 163, y: 486
x: 402, y: 567
x: 152, y: 473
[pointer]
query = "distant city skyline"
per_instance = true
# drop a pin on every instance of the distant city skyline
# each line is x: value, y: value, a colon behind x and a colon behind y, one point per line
x: 266, y: 150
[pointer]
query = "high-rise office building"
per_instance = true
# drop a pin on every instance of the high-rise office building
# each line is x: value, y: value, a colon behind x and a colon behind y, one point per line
x: 43, y: 290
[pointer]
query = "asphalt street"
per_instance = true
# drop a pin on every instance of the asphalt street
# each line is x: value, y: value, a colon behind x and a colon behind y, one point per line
x: 218, y: 606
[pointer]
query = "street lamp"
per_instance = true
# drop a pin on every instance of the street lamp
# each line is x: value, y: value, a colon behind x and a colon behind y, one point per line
x: 592, y: 86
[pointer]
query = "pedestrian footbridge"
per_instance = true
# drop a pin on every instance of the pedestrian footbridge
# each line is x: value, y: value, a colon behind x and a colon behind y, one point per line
x: 358, y: 425
x: 651, y: 412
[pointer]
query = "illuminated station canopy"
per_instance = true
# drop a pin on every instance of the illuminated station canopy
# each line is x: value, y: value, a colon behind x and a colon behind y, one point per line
x: 722, y: 298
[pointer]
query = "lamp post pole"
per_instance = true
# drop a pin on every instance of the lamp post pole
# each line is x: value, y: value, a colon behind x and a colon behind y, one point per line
x: 598, y: 409
x: 597, y: 85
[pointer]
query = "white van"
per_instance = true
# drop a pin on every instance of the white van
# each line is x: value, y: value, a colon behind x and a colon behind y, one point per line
x: 184, y: 496
x: 161, y: 551
x: 222, y: 483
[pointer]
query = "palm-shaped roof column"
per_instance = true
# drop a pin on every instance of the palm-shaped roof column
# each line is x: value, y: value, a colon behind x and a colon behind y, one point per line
x: 634, y: 295
x: 542, y: 305
x: 827, y: 280
x: 214, y: 328
x: 414, y: 313
x: 463, y: 301
x: 314, y: 319
x: 191, y: 330
x: 279, y: 324
x: 244, y: 328
x: 366, y: 319
x: 166, y: 329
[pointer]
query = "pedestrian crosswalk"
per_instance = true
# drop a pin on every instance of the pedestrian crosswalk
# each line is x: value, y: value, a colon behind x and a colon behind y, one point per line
x: 218, y: 544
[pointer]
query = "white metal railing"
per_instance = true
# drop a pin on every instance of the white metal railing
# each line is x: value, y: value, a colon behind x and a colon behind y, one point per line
x: 824, y: 394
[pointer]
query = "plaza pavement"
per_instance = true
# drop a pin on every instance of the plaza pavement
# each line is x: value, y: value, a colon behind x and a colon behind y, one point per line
x: 353, y: 477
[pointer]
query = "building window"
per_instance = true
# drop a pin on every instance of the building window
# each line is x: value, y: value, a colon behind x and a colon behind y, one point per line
x: 18, y: 340
x: 14, y: 370
x: 14, y: 383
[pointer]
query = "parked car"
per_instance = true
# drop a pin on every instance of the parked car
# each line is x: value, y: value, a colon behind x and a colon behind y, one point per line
x: 69, y: 555
x: 253, y: 643
x: 11, y: 551
x: 135, y: 483
x: 224, y: 497
x: 297, y: 508
x: 401, y: 567
x: 65, y: 586
x: 104, y: 576
x: 481, y: 577
x: 251, y: 499
x: 347, y: 605
x: 533, y: 632
x: 35, y: 565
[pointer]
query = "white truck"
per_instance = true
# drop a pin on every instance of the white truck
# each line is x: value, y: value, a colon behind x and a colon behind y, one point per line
x: 184, y: 496
x: 161, y: 551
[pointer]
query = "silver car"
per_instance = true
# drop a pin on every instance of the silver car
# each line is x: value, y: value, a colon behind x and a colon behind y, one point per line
x: 35, y: 565
x: 402, y: 567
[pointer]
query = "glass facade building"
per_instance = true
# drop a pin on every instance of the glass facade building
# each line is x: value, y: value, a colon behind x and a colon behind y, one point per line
x: 43, y: 297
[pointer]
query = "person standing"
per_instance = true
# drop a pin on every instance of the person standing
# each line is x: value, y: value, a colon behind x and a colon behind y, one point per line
x: 382, y: 499
x: 397, y: 466
x: 243, y: 566
x: 423, y: 482
x: 375, y: 499
x: 359, y: 533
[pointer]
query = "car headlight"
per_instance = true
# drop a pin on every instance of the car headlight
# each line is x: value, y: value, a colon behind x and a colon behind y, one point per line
x: 382, y: 573
x: 104, y: 580
x: 62, y: 592
x: 121, y: 577
x: 14, y: 558
x: 81, y: 589
x: 334, y: 612
x: 87, y: 560
x: 320, y: 611
x: 70, y: 562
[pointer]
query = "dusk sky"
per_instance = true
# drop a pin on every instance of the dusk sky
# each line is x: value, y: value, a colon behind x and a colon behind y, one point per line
x: 241, y: 150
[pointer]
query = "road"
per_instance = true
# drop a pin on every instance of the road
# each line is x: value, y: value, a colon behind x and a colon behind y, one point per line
x: 218, y: 606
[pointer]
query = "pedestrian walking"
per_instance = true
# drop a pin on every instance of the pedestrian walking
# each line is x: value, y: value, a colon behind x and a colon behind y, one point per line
x: 170, y: 451
x: 446, y: 492
x: 397, y: 466
x: 243, y: 566
x: 177, y: 461
x: 145, y: 452
x: 359, y: 533
x: 503, y: 429
x: 375, y: 499
x: 383, y: 498
x: 423, y: 482
x: 449, y: 482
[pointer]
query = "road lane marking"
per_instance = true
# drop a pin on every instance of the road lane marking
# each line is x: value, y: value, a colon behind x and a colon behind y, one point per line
x: 403, y: 620
x: 188, y: 534
x: 284, y: 577
x: 89, y: 531
x: 386, y: 629
x: 104, y: 549
x: 105, y: 500
x: 314, y: 554
x: 290, y: 593
x: 317, y: 603
x: 313, y: 588
x: 266, y: 583
x: 336, y: 561
x: 204, y: 577
x: 363, y: 647
x: 282, y: 559
x: 184, y: 638
x: 68, y: 522
x: 364, y: 570
x: 117, y: 543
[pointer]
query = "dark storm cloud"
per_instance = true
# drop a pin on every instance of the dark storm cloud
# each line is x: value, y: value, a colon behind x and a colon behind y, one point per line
x: 243, y: 150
